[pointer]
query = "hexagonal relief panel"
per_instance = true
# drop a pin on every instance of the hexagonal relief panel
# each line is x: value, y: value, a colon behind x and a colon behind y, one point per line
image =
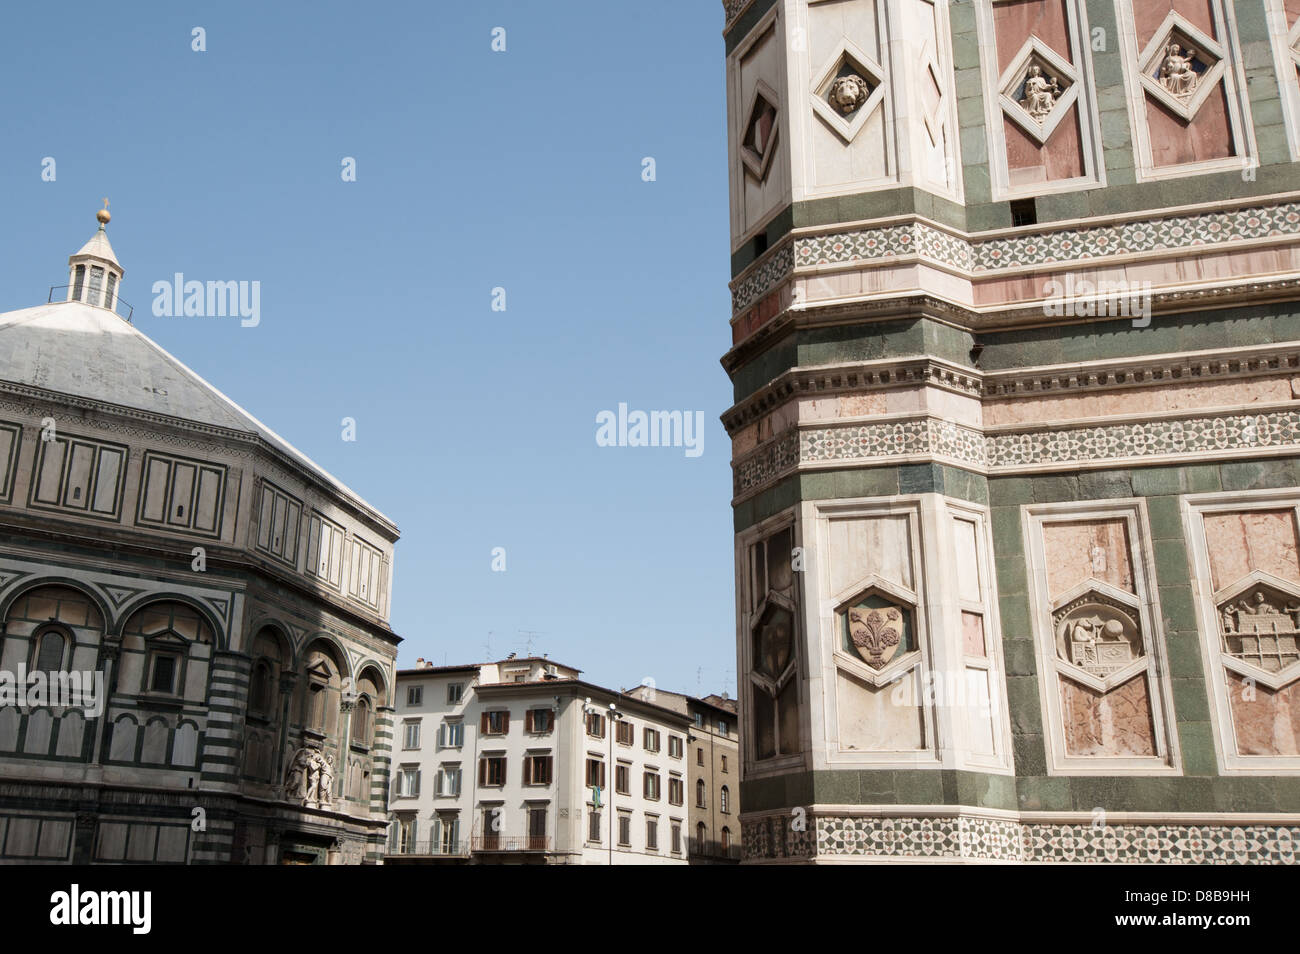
x: 762, y: 120
x: 877, y: 628
x: 1037, y: 89
x: 847, y: 90
x: 1097, y: 633
x: 1259, y: 622
x: 1181, y: 66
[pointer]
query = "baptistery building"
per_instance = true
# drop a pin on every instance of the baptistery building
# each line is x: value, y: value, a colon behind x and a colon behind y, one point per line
x: 1015, y: 351
x: 196, y: 664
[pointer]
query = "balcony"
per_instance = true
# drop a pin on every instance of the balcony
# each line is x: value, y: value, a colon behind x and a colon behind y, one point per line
x: 511, y: 843
x: 432, y: 847
x: 713, y: 850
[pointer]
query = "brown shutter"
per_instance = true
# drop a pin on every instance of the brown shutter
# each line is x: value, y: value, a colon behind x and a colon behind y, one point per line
x: 528, y: 721
x: 505, y: 722
x: 483, y: 723
x: 482, y: 771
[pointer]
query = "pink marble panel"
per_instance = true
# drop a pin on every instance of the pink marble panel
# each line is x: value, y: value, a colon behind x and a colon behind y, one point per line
x: 1207, y: 136
x: 1117, y: 723
x: 1060, y: 158
x: 1265, y: 722
x: 972, y: 634
x: 1087, y: 549
x: 1240, y: 543
x: 1149, y: 14
x: 1015, y: 22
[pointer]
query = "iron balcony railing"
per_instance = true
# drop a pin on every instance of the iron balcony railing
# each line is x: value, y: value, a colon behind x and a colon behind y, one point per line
x: 117, y: 306
x: 511, y: 843
x: 431, y: 847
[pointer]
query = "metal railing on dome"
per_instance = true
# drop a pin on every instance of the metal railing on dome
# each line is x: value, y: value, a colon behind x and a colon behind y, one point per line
x: 117, y: 306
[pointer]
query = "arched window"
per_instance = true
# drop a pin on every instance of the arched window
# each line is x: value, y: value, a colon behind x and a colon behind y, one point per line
x: 724, y: 800
x: 259, y: 692
x: 726, y: 839
x: 701, y: 836
x: 363, y: 724
x: 49, y: 651
x: 699, y: 793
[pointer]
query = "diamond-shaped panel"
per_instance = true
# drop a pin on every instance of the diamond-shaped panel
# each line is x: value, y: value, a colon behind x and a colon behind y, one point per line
x: 758, y: 142
x: 1181, y: 66
x: 847, y: 90
x: 1038, y: 89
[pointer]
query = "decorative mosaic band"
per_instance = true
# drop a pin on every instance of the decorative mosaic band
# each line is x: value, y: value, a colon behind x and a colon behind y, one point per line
x: 1015, y: 251
x: 734, y: 8
x: 985, y: 839
x: 859, y: 443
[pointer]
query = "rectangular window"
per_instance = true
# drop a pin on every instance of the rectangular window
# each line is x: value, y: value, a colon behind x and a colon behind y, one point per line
x: 723, y: 728
x: 364, y: 563
x: 538, y: 721
x: 593, y: 825
x: 410, y: 735
x: 596, y: 773
x: 724, y: 763
x: 449, y: 842
x: 537, y: 770
x: 596, y: 725
x: 699, y: 756
x: 652, y: 833
x: 492, y: 770
x: 651, y: 740
x: 455, y: 690
x: 110, y: 289
x: 414, y: 695
x: 537, y: 827
x: 622, y: 774
x: 162, y: 676
x: 325, y: 549
x: 650, y: 786
x: 451, y: 735
x: 675, y: 746
x: 181, y: 494
x: 449, y: 781
x: 624, y: 733
x: 408, y: 781
x: 277, y: 524
x: 77, y: 474
x: 625, y: 828
x: 96, y: 285
x: 677, y: 837
x: 676, y: 790
x: 78, y: 282
x: 496, y: 722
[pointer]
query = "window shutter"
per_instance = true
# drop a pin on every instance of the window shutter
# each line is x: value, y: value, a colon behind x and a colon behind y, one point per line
x: 483, y: 723
x: 482, y: 771
x: 505, y: 722
x: 528, y: 721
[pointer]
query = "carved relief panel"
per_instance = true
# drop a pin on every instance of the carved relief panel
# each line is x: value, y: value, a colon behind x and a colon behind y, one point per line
x: 1039, y: 96
x: 770, y: 644
x: 1245, y: 554
x: 1182, y: 75
x: 757, y: 107
x: 1107, y: 706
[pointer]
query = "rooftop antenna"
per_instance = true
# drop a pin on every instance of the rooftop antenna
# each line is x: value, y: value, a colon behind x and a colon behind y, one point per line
x: 488, y: 646
x: 530, y: 637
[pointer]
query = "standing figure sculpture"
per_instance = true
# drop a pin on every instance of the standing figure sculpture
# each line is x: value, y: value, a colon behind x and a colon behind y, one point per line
x: 1041, y: 93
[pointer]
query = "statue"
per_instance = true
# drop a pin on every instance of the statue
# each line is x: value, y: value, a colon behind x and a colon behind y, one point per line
x: 1262, y: 606
x: 1041, y: 93
x: 1176, y: 72
x: 848, y: 93
x: 310, y: 778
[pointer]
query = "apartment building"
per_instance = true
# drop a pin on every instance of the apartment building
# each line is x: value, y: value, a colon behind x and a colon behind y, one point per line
x: 713, y: 772
x: 522, y: 761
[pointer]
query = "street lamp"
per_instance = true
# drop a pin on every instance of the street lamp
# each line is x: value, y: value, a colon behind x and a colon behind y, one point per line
x: 614, y: 716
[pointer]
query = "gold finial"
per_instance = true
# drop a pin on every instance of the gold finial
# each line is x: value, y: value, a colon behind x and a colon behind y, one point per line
x: 103, y: 215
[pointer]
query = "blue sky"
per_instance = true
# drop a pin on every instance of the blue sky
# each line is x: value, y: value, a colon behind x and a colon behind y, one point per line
x: 475, y: 170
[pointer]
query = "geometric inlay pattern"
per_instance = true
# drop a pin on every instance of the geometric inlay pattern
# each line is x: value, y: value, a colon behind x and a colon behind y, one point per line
x: 1085, y: 444
x: 989, y: 839
x: 1063, y: 245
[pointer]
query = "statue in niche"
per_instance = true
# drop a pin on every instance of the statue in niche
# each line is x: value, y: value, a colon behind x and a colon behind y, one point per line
x: 848, y: 93
x: 1041, y: 93
x: 310, y: 778
x: 1177, y: 74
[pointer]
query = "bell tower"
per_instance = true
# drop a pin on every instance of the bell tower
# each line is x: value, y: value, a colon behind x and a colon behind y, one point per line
x: 1016, y: 427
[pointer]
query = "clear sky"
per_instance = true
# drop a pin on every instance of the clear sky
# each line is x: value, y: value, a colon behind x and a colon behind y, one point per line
x: 475, y: 170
